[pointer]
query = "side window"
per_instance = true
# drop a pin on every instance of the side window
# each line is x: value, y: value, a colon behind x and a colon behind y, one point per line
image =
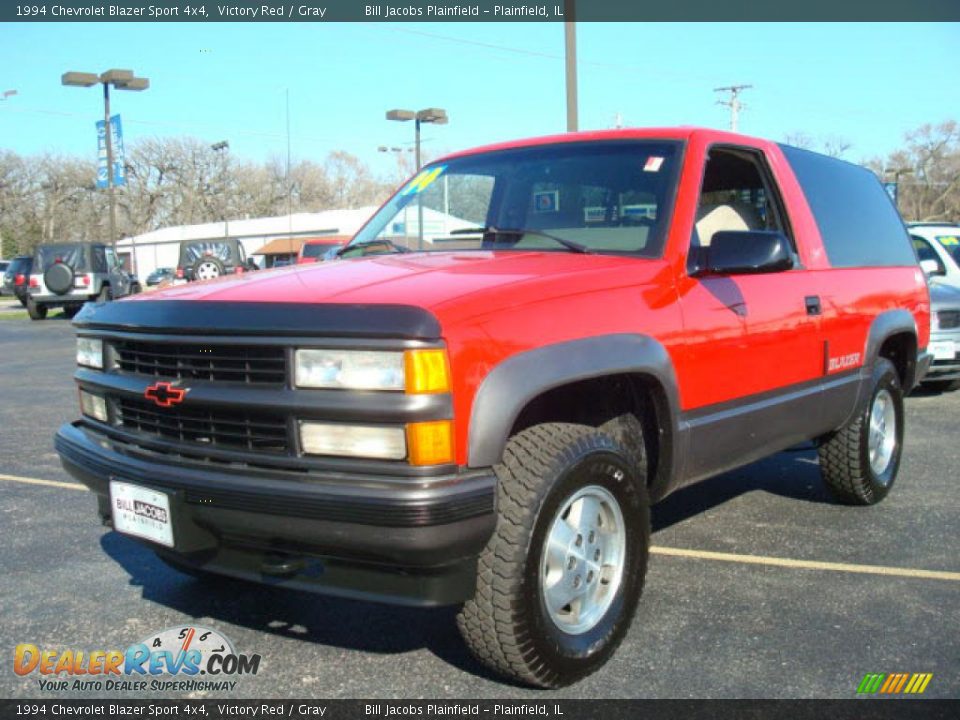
x: 111, y: 259
x: 925, y: 251
x: 737, y: 194
x: 858, y: 222
x: 100, y: 261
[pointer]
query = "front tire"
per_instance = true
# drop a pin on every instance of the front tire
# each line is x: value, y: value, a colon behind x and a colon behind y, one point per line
x: 860, y: 462
x: 559, y: 580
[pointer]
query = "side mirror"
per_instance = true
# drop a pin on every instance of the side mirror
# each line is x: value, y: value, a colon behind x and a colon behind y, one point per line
x: 931, y: 267
x: 746, y: 252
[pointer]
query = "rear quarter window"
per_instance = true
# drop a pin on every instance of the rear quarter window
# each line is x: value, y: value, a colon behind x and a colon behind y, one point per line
x: 857, y: 220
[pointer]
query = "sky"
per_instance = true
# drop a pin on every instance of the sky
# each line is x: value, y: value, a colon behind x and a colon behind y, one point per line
x: 864, y: 83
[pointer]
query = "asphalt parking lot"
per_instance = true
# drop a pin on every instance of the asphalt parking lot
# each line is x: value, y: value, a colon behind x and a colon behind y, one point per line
x: 744, y: 625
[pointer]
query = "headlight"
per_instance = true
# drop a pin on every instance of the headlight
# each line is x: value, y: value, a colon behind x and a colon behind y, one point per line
x: 383, y: 443
x: 93, y: 405
x: 415, y: 371
x: 934, y: 321
x: 90, y: 352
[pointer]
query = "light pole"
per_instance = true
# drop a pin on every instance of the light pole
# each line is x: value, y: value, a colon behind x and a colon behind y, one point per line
x: 437, y: 116
x: 121, y: 80
x: 896, y: 172
x: 398, y: 153
x: 570, y: 62
x: 221, y: 149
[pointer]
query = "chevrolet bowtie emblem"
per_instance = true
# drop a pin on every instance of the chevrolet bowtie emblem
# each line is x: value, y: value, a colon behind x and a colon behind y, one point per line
x: 164, y: 394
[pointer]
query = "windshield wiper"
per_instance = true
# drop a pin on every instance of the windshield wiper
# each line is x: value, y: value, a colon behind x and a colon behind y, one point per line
x: 569, y: 244
x: 369, y: 243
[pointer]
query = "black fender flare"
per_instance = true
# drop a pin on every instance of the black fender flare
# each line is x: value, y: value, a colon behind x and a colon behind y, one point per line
x: 516, y: 381
x: 884, y: 326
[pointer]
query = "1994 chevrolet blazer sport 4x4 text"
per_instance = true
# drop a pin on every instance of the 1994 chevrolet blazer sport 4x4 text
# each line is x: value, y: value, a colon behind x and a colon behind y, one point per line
x: 522, y: 349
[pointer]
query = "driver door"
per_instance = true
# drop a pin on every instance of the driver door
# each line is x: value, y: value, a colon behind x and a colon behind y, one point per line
x: 755, y: 356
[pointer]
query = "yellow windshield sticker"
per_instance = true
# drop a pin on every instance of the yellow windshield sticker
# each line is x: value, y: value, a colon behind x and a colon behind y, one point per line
x: 423, y: 180
x: 948, y: 239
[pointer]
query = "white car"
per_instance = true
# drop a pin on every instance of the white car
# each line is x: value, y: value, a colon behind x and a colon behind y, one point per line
x: 938, y: 249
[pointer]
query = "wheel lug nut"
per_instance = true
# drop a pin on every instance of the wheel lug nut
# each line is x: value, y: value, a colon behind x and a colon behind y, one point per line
x: 577, y: 581
x: 571, y: 562
x: 590, y: 576
x: 592, y: 538
x: 596, y: 555
x: 579, y: 540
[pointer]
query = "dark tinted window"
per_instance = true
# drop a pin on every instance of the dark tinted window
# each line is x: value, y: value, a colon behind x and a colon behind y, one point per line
x: 951, y: 243
x: 76, y: 256
x: 223, y: 250
x: 315, y: 250
x: 857, y: 220
x: 926, y: 252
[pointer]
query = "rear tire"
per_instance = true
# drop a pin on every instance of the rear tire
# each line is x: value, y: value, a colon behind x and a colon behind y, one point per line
x: 36, y: 312
x: 560, y: 481
x: 70, y: 311
x: 208, y: 269
x: 859, y: 463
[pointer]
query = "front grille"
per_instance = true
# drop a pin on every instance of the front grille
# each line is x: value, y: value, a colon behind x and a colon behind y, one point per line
x: 252, y: 364
x: 948, y: 319
x: 227, y: 429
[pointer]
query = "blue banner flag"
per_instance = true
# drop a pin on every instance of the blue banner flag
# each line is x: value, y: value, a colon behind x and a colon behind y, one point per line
x: 116, y: 139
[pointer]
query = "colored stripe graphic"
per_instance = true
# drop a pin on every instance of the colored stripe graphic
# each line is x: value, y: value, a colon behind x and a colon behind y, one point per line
x: 894, y: 683
x: 870, y: 683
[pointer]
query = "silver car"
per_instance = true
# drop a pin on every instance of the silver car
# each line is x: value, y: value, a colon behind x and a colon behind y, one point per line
x: 944, y: 373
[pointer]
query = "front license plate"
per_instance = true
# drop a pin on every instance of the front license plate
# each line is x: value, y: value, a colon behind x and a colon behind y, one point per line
x: 141, y: 512
x: 943, y: 350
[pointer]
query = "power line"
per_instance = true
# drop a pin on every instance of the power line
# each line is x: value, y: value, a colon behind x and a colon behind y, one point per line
x: 733, y: 102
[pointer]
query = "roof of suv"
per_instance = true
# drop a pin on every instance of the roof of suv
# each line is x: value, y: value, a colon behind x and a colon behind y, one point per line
x: 670, y: 133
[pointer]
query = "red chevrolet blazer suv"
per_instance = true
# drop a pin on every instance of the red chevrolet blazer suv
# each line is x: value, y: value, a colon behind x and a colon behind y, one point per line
x: 525, y: 347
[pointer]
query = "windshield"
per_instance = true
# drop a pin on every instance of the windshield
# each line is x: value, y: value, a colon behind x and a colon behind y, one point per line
x: 315, y: 250
x: 73, y: 255
x: 951, y: 243
x: 609, y: 196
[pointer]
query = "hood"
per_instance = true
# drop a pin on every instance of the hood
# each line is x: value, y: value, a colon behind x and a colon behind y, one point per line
x: 942, y: 295
x: 434, y: 281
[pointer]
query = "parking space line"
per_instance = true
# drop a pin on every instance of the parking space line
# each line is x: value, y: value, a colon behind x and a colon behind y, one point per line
x: 807, y: 564
x: 38, y: 481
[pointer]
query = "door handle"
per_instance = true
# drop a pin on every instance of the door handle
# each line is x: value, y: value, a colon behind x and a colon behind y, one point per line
x: 813, y: 304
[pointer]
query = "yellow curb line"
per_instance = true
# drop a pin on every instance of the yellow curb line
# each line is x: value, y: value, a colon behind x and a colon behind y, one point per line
x: 806, y: 564
x: 38, y: 481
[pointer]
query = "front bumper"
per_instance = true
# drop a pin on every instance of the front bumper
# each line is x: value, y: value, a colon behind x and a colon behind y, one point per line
x: 405, y: 540
x: 944, y: 368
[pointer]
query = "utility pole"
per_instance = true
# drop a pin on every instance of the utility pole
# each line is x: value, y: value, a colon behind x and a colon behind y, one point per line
x: 221, y: 149
x: 570, y: 45
x: 733, y: 102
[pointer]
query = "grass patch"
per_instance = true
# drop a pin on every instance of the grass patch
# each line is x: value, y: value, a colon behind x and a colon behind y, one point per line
x: 22, y: 315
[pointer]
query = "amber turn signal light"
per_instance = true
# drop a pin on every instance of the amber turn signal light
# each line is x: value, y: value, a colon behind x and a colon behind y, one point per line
x: 430, y: 443
x: 427, y: 371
